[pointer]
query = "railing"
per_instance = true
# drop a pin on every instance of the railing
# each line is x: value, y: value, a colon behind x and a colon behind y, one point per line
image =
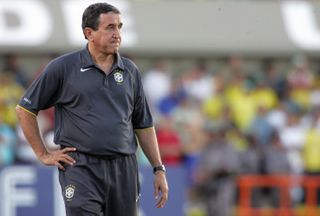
x: 246, y: 183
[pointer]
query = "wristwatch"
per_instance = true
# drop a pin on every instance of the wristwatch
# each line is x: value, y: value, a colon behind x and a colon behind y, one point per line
x: 159, y: 168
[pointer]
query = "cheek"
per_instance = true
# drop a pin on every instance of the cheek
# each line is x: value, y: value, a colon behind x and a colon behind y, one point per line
x: 106, y: 38
x: 101, y: 41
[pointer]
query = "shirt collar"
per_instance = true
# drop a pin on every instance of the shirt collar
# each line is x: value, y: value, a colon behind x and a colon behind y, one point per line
x: 86, y: 60
x: 118, y: 63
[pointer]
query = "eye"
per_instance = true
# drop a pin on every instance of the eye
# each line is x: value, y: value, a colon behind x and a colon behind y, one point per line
x: 110, y: 27
x: 113, y: 27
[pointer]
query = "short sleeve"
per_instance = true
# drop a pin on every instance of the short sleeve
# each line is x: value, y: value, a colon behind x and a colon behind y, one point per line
x: 44, y: 90
x: 142, y: 117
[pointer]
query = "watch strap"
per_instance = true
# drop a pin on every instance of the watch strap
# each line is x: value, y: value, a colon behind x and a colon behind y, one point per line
x: 159, y: 168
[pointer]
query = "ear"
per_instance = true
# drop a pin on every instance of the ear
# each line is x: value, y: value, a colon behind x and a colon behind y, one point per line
x: 88, y: 33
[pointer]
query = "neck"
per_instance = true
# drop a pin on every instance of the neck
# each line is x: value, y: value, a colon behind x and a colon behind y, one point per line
x: 100, y: 57
x: 103, y: 60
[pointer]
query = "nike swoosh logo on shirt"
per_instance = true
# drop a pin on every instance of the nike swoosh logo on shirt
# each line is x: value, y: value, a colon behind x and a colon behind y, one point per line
x: 85, y: 69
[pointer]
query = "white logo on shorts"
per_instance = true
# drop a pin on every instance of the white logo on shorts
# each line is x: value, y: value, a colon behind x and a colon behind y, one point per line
x: 138, y: 197
x: 69, y: 192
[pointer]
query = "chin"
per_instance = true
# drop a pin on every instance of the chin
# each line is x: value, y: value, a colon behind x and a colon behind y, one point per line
x: 115, y: 50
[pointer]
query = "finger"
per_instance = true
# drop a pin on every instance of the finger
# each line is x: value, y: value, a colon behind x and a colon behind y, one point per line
x: 156, y: 191
x: 69, y: 149
x: 67, y: 159
x: 159, y: 204
x: 163, y: 200
x: 59, y: 166
x: 164, y: 195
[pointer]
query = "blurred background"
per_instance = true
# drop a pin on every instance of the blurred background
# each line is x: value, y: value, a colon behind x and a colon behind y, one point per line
x: 234, y: 87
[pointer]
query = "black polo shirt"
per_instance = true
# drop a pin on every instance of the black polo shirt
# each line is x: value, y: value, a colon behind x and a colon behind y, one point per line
x: 94, y: 112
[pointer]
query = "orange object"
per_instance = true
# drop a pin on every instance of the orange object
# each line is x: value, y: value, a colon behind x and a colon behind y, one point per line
x: 284, y: 182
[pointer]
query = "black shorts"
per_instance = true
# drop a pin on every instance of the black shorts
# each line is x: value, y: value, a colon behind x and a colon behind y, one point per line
x: 96, y: 186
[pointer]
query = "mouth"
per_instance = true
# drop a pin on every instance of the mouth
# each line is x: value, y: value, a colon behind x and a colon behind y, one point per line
x: 116, y: 43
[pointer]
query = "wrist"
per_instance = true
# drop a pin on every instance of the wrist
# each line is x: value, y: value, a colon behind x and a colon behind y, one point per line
x: 42, y: 155
x: 160, y: 168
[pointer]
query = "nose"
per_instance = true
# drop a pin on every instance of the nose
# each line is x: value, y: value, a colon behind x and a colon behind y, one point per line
x: 116, y: 34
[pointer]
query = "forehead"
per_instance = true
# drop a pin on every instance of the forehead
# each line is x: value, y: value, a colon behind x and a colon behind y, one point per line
x: 109, y: 18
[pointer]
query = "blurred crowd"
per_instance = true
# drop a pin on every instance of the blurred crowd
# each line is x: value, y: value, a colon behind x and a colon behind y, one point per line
x: 217, y: 123
x: 228, y: 122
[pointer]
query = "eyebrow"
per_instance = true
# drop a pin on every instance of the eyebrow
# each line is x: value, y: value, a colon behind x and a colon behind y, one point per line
x: 113, y: 24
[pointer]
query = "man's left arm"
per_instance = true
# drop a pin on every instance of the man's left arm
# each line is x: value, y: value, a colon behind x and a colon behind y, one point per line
x: 148, y: 142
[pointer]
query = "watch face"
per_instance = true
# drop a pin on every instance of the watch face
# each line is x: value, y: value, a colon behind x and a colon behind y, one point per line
x: 159, y: 168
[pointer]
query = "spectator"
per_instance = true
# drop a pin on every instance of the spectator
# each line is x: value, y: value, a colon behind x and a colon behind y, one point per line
x: 311, y: 148
x: 234, y: 66
x: 261, y: 128
x: 277, y: 117
x: 214, y: 105
x: 7, y: 144
x: 264, y: 95
x: 275, y: 80
x: 292, y: 136
x: 241, y: 101
x: 301, y: 79
x: 315, y: 95
x: 300, y: 76
x: 251, y: 164
x: 189, y: 123
x: 12, y: 66
x: 169, y: 142
x: 250, y: 157
x: 215, y: 176
x: 10, y: 92
x: 276, y: 163
x: 170, y: 102
x: 276, y: 158
x: 198, y: 83
x: 157, y: 83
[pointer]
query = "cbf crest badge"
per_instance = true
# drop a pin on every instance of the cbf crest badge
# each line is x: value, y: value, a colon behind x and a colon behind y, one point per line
x: 69, y: 192
x: 118, y: 76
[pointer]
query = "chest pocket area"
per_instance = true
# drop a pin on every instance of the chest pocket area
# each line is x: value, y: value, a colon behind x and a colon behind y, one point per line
x: 78, y: 95
x: 119, y: 87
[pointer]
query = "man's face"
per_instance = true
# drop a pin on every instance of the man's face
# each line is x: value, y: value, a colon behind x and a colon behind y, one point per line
x: 107, y: 37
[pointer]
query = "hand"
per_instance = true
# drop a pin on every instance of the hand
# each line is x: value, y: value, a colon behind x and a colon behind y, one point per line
x: 56, y: 158
x: 160, y: 188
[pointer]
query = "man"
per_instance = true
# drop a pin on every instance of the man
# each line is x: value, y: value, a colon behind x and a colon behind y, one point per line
x: 100, y: 108
x: 218, y: 166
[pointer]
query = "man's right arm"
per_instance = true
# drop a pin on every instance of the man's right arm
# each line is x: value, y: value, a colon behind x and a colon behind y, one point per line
x: 29, y: 124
